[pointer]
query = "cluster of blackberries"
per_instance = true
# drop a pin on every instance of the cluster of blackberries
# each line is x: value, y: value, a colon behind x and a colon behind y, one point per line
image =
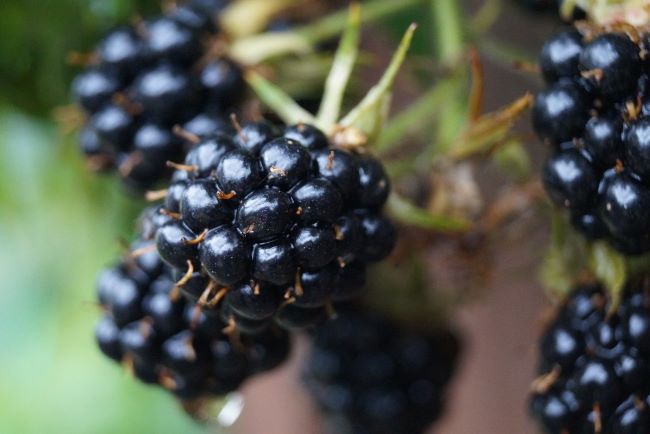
x: 164, y: 340
x: 146, y: 79
x: 595, y: 366
x: 278, y: 221
x: 370, y: 376
x: 595, y: 114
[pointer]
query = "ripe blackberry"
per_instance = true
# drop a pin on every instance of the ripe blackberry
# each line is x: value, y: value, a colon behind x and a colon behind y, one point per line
x: 165, y: 340
x: 594, y: 365
x: 275, y: 218
x: 592, y: 114
x: 374, y: 377
x: 146, y: 80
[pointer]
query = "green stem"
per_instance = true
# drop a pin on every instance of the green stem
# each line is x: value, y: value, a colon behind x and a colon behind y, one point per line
x: 370, y: 114
x: 279, y: 101
x: 449, y: 38
x: 332, y: 25
x: 403, y: 211
x: 339, y: 75
x: 451, y: 119
x: 256, y: 49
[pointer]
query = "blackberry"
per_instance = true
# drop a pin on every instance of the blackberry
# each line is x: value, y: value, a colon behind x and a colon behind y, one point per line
x: 560, y: 56
x: 593, y: 365
x: 375, y: 377
x: 152, y: 76
x: 165, y: 340
x: 275, y: 218
x: 592, y: 114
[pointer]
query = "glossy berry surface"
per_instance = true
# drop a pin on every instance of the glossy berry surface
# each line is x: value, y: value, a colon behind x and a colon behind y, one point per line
x: 168, y: 341
x: 560, y: 112
x: 153, y: 74
x: 592, y: 114
x: 560, y: 56
x: 371, y: 376
x: 613, y: 65
x: 593, y: 365
x: 277, y: 211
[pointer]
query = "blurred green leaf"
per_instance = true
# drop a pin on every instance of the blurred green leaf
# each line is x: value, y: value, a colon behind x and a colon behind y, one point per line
x: 610, y: 268
x: 490, y: 130
x: 59, y: 227
x: 420, y: 115
x: 449, y: 37
x: 565, y: 258
x: 37, y: 37
x: 405, y: 212
x: 514, y: 160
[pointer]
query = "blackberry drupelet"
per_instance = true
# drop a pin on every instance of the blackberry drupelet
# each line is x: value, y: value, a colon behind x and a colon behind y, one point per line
x: 374, y: 377
x: 594, y: 365
x: 594, y: 115
x: 147, y: 79
x: 165, y: 340
x: 281, y: 221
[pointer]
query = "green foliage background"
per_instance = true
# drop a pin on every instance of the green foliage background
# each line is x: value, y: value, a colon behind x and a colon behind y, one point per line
x: 58, y: 226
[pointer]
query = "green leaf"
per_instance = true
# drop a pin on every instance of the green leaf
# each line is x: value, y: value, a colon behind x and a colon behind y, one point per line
x: 403, y: 211
x: 489, y: 130
x: 370, y: 114
x: 339, y: 75
x: 514, y: 160
x: 279, y: 101
x: 610, y: 268
x: 564, y: 259
x: 486, y: 16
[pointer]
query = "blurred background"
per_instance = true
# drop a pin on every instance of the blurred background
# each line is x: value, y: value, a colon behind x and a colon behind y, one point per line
x: 59, y: 225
